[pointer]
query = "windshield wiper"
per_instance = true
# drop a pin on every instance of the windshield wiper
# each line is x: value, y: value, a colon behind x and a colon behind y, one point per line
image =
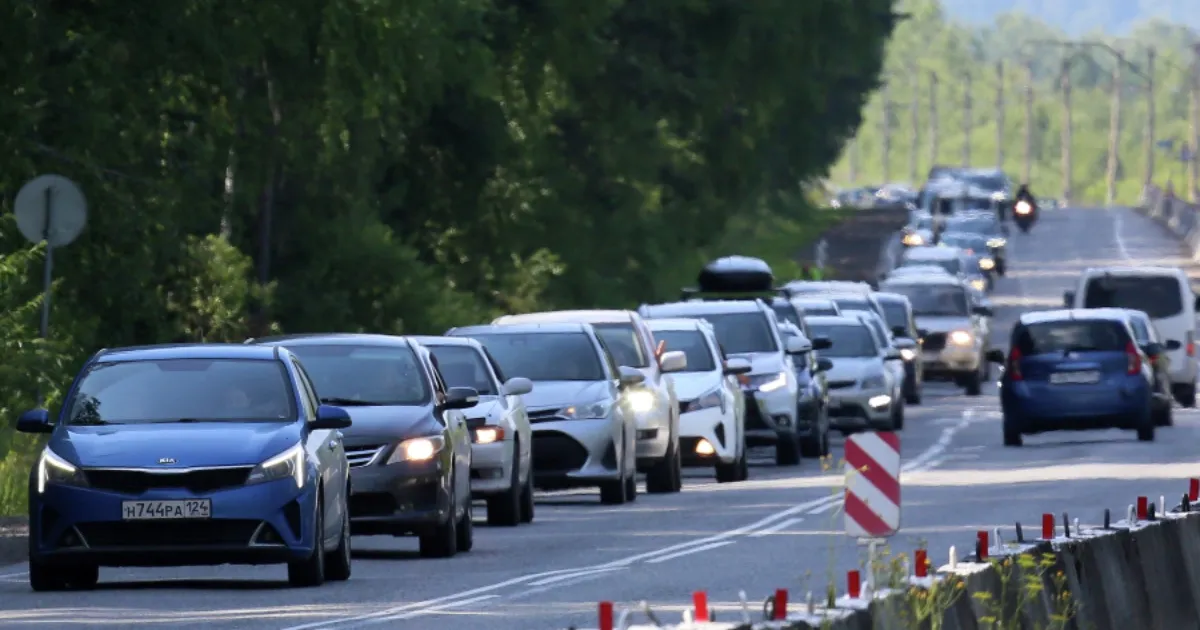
x: 351, y: 402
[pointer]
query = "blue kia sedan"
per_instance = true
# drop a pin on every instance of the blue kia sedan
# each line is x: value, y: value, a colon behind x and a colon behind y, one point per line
x: 189, y: 455
x: 1076, y: 370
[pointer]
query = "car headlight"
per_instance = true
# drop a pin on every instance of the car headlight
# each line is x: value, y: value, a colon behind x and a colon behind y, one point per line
x: 996, y: 242
x: 53, y: 469
x: 707, y: 401
x: 289, y: 463
x: 641, y: 400
x: 875, y: 381
x: 487, y: 434
x: 419, y: 449
x: 987, y: 264
x: 999, y: 196
x: 913, y: 240
x: 908, y: 354
x: 594, y: 410
x: 961, y: 338
x: 979, y: 284
x: 772, y: 382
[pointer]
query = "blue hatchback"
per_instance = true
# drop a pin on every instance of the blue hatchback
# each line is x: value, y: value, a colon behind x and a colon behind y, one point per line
x: 1076, y: 370
x: 189, y: 455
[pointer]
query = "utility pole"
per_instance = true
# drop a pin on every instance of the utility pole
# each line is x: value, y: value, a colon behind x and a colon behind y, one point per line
x: 1114, y: 132
x: 887, y: 132
x: 914, y: 145
x: 1028, y: 171
x: 934, y: 149
x: 1150, y: 142
x: 1064, y: 80
x: 1000, y: 135
x: 966, y: 121
x: 855, y: 166
x: 1194, y: 127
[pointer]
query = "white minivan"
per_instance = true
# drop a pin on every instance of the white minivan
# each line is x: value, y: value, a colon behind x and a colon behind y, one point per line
x: 1163, y: 293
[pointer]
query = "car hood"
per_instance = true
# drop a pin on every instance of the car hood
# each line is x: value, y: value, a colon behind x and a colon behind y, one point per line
x: 489, y: 408
x: 547, y: 394
x: 692, y: 385
x: 190, y: 445
x: 390, y: 422
x: 942, y: 324
x: 762, y: 362
x: 851, y: 369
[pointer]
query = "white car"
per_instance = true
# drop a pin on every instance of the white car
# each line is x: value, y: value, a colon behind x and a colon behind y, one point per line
x: 501, y: 436
x: 813, y: 305
x: 628, y: 339
x: 712, y: 428
x: 863, y: 393
x: 885, y: 340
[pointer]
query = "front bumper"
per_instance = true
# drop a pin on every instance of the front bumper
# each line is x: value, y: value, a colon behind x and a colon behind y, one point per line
x: 400, y: 499
x: 653, y: 435
x: 491, y: 467
x: 712, y: 426
x: 769, y: 415
x: 265, y: 523
x: 951, y: 362
x: 853, y: 409
x: 575, y: 453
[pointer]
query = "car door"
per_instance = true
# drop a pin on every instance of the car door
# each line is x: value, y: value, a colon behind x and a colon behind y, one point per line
x: 457, y: 432
x: 515, y: 408
x: 325, y: 447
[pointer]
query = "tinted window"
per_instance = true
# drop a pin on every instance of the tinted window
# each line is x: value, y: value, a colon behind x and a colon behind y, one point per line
x: 463, y: 366
x: 740, y: 333
x: 951, y: 265
x: 545, y: 356
x: 935, y: 300
x: 691, y: 343
x: 1157, y: 296
x: 1071, y: 336
x: 786, y: 312
x: 622, y: 342
x: 373, y: 375
x: 896, y: 314
x: 136, y: 392
x: 848, y: 341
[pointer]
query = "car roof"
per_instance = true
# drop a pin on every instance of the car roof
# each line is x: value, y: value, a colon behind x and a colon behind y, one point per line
x: 433, y: 341
x: 710, y: 307
x: 676, y: 323
x: 834, y: 320
x: 1127, y: 270
x: 1075, y: 314
x: 936, y: 252
x: 512, y: 329
x: 337, y: 339
x: 930, y: 279
x: 598, y: 316
x: 160, y: 352
x: 806, y: 287
x: 846, y: 295
x: 813, y: 299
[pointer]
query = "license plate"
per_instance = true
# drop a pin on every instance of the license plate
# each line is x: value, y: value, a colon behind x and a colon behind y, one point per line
x: 1074, y: 378
x: 166, y: 510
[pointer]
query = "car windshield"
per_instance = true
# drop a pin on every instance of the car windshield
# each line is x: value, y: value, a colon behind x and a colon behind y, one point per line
x: 786, y: 312
x: 1071, y: 336
x: 896, y: 314
x: 742, y: 333
x: 692, y: 344
x: 183, y: 390
x: 971, y: 242
x: 951, y: 265
x: 992, y: 183
x: 1156, y: 296
x: 464, y: 366
x: 972, y: 204
x: 848, y: 341
x: 568, y: 356
x: 852, y: 304
x: 983, y: 226
x: 622, y: 342
x: 819, y: 311
x: 945, y: 300
x: 365, y: 374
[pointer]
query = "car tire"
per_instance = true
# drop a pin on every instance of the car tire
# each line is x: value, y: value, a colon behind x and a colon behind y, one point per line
x: 338, y: 562
x: 973, y: 384
x: 787, y: 450
x: 1164, y: 416
x: 1012, y: 437
x: 736, y: 470
x: 1185, y: 395
x: 527, y: 507
x: 912, y: 391
x: 45, y: 577
x: 311, y: 570
x: 442, y: 542
x: 631, y: 489
x: 665, y: 476
x: 897, y: 416
x: 614, y: 492
x: 465, y: 530
x: 504, y: 509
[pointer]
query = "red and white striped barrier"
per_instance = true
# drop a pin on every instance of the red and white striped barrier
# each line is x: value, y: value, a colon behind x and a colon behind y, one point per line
x: 872, y: 503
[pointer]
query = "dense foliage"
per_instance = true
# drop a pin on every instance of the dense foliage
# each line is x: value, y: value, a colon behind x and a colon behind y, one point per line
x: 405, y: 165
x: 930, y: 42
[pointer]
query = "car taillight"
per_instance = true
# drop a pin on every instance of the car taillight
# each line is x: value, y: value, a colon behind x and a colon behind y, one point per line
x: 1014, y: 365
x: 1135, y: 359
x: 1191, y: 344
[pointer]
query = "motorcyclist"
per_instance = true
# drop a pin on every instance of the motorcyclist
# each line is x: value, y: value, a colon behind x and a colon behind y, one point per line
x: 1024, y: 196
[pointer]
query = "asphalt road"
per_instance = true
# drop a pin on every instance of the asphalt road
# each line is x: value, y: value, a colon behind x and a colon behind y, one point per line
x: 781, y: 529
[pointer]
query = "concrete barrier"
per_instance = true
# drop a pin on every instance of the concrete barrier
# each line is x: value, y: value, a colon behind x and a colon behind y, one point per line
x: 1179, y: 217
x: 1142, y: 573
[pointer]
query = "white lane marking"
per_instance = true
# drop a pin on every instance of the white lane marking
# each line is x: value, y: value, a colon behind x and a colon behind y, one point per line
x: 918, y: 463
x: 688, y: 552
x: 777, y: 527
x: 570, y: 576
x: 1118, y: 223
x: 13, y: 575
x: 825, y: 508
x: 457, y: 604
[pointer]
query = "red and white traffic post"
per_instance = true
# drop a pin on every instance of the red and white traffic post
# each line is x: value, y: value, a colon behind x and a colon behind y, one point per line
x: 872, y: 500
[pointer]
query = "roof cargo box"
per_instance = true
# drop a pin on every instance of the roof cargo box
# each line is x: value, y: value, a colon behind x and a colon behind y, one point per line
x: 736, y: 274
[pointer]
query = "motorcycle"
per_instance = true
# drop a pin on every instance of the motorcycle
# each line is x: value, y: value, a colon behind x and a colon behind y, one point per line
x: 1024, y: 215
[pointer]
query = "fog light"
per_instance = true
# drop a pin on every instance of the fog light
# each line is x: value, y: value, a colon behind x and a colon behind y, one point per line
x: 879, y: 402
x: 783, y: 421
x: 703, y: 447
x: 908, y: 354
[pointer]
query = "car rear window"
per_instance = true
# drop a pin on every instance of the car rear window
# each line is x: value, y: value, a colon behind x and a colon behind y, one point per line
x: 1071, y: 336
x: 1157, y: 296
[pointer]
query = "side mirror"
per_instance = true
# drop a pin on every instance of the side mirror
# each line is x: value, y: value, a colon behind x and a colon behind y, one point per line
x: 461, y: 398
x: 996, y: 356
x: 796, y: 345
x: 1069, y: 299
x: 734, y: 367
x: 1153, y: 349
x: 517, y: 386
x: 331, y: 417
x: 904, y: 343
x: 629, y: 376
x: 1172, y: 344
x: 35, y: 421
x: 893, y: 355
x: 824, y: 365
x: 673, y: 361
x: 822, y: 343
x: 982, y: 311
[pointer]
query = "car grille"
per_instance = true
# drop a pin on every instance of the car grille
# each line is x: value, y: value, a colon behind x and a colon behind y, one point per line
x: 168, y: 533
x: 754, y: 417
x: 841, y: 384
x: 934, y: 342
x: 544, y: 415
x: 556, y: 452
x: 198, y: 481
x: 358, y: 456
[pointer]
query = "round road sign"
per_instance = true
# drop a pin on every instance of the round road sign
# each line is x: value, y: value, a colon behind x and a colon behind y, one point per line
x: 50, y: 208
